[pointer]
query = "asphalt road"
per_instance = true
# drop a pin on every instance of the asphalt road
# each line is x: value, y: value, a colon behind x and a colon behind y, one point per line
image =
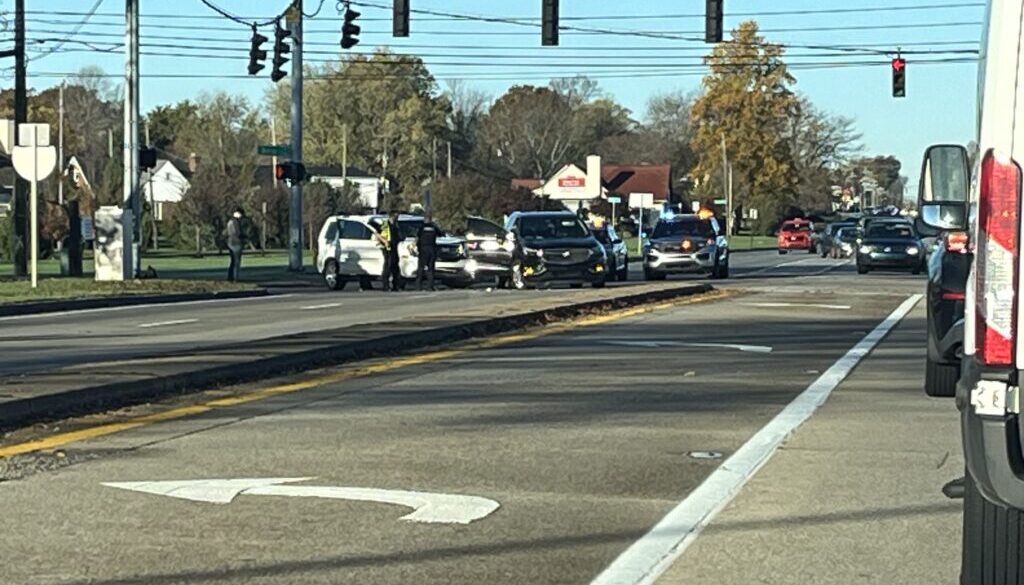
x: 43, y: 343
x: 585, y: 437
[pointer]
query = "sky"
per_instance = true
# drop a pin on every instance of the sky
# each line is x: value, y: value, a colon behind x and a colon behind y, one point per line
x: 839, y: 52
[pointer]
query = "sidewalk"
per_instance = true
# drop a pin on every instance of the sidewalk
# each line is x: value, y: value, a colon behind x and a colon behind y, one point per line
x: 854, y: 496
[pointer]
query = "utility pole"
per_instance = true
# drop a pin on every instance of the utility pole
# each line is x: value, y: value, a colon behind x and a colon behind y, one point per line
x: 130, y: 247
x: 20, y: 117
x: 273, y: 140
x: 60, y: 144
x: 295, y: 261
x: 449, y: 159
x: 152, y: 200
x: 725, y: 185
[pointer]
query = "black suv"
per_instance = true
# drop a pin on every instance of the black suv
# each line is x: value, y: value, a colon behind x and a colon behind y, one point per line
x: 555, y: 247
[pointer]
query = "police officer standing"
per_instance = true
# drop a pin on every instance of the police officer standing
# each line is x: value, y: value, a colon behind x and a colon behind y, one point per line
x: 392, y: 233
x: 426, y: 248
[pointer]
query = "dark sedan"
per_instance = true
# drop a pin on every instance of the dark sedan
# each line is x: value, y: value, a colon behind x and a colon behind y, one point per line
x: 890, y: 245
x: 556, y: 247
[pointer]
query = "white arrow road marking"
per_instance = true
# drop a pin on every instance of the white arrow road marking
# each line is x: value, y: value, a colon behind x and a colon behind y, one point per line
x: 653, y: 344
x: 427, y: 507
x: 167, y: 323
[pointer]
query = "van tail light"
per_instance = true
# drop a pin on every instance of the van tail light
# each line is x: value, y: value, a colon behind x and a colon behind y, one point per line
x: 997, y: 250
x: 957, y: 242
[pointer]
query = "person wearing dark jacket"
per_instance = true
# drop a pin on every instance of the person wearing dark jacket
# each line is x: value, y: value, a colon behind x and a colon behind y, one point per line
x: 426, y: 249
x: 235, y: 244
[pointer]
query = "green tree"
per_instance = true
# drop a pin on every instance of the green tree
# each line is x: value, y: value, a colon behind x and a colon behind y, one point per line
x: 748, y: 103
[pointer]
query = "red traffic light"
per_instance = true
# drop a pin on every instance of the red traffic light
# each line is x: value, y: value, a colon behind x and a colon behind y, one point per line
x: 899, y: 64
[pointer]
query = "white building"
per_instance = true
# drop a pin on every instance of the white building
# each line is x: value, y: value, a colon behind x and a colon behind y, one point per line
x: 163, y: 188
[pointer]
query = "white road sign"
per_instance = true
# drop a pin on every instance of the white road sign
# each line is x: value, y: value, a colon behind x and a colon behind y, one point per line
x: 34, y: 159
x: 427, y: 507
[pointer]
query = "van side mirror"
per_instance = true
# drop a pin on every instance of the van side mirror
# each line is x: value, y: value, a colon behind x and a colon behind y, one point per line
x: 943, y: 189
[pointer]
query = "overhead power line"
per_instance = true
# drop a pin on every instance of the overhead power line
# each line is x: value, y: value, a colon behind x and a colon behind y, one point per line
x: 77, y: 29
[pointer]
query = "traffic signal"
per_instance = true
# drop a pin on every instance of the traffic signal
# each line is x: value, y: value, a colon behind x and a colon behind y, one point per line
x: 899, y: 77
x: 401, y: 19
x: 256, y: 55
x: 281, y: 48
x: 293, y: 172
x: 147, y: 158
x: 549, y: 26
x: 350, y: 30
x: 714, y: 21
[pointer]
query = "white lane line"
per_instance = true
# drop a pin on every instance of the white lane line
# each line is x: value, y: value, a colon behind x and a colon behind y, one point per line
x: 794, y: 263
x: 143, y: 306
x: 656, y: 344
x: 168, y: 323
x: 324, y: 306
x: 800, y: 305
x: 646, y: 560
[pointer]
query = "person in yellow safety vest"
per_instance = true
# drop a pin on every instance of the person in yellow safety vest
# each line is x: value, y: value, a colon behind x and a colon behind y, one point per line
x: 391, y: 234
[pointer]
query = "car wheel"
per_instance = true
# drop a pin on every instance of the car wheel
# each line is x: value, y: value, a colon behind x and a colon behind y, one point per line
x: 365, y: 283
x: 783, y: 252
x: 991, y: 540
x: 652, y: 275
x: 862, y: 269
x: 940, y: 379
x: 599, y: 283
x: 916, y: 269
x: 723, y: 271
x: 812, y: 250
x: 576, y: 285
x: 332, y: 278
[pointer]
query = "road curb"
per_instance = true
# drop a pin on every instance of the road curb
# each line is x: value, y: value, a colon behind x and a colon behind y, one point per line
x: 42, y: 307
x: 21, y: 413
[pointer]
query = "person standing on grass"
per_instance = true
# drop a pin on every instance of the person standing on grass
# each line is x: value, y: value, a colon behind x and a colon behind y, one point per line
x: 235, y: 244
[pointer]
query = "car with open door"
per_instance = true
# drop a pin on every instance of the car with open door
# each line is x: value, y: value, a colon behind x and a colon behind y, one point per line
x: 985, y: 206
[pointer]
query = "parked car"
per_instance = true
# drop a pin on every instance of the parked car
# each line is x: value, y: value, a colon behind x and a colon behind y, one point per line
x: 890, y: 245
x: 686, y: 244
x: 349, y: 249
x: 615, y: 250
x: 555, y: 247
x: 795, y: 234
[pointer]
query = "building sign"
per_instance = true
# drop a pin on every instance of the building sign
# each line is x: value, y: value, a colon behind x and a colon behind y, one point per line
x: 572, y: 182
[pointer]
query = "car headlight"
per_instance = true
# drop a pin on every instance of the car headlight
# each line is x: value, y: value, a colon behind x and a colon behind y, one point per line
x: 490, y: 246
x: 865, y: 249
x: 508, y: 245
x: 913, y: 250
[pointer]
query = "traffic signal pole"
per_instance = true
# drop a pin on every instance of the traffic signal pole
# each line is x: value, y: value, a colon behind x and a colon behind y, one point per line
x: 131, y: 201
x: 295, y: 261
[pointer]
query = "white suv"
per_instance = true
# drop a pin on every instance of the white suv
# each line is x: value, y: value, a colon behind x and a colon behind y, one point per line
x: 349, y: 249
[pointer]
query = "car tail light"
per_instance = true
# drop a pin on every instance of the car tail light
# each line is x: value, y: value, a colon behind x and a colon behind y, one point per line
x: 957, y: 242
x: 997, y: 252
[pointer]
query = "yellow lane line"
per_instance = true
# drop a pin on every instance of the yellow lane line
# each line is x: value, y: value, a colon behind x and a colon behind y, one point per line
x: 101, y: 430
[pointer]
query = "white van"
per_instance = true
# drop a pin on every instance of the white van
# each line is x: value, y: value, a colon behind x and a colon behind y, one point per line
x: 349, y: 249
x: 986, y: 202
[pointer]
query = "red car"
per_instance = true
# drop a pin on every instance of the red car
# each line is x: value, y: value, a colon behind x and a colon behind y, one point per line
x: 795, y: 234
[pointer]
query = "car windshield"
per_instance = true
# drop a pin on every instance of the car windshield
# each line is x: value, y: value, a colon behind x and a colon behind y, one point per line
x: 790, y: 226
x: 554, y: 227
x: 685, y: 227
x: 847, y: 234
x: 890, y: 230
